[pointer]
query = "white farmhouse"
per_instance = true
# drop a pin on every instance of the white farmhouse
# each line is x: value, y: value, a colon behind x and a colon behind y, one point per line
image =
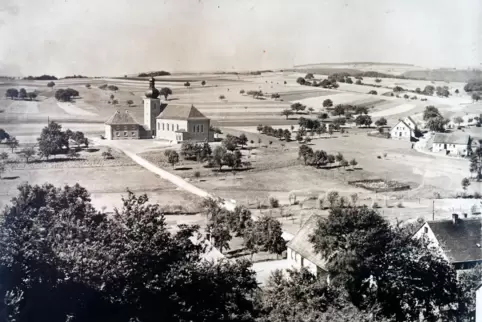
x: 402, y: 131
x: 456, y: 144
x: 300, y: 252
x: 457, y: 240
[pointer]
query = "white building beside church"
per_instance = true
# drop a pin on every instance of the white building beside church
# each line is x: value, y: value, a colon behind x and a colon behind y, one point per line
x: 404, y: 129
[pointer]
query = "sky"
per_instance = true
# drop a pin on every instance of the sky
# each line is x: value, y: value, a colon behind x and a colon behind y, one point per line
x: 118, y: 37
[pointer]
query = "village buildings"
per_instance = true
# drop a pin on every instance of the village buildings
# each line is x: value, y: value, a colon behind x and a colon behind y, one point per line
x: 300, y: 252
x: 457, y: 240
x: 404, y: 130
x: 161, y: 121
x: 454, y: 144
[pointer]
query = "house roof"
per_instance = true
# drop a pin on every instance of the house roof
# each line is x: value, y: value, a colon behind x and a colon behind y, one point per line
x: 451, y: 138
x: 461, y: 241
x: 181, y: 113
x: 121, y: 118
x: 302, y: 245
x: 411, y: 119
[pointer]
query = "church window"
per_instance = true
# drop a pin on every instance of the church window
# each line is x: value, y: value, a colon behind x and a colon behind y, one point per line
x: 177, y: 126
x: 202, y: 128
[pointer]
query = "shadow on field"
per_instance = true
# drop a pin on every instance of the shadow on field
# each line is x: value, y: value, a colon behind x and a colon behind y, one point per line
x: 10, y: 178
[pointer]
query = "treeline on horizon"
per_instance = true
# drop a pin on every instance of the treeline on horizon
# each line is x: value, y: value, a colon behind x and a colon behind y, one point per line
x: 42, y: 77
x: 154, y: 74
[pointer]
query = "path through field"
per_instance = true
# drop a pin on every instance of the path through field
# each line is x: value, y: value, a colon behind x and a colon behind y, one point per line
x: 74, y: 110
x: 394, y: 110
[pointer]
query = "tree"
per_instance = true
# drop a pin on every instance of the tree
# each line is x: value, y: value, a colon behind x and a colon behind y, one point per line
x: 241, y: 91
x: 332, y: 198
x: 130, y: 102
x: 305, y: 152
x: 265, y: 234
x: 221, y: 97
x: 353, y: 163
x: 301, y: 296
x: 203, y: 83
x: 22, y: 94
x: 430, y: 112
x: 113, y: 88
x: 242, y: 139
x: 476, y: 163
x: 287, y: 113
x: 12, y: 93
x: 218, y: 156
x: 166, y: 91
x: 398, y: 89
x: 365, y: 120
x: 327, y: 103
x: 63, y: 95
x: 378, y: 264
x: 428, y: 90
x: 12, y: 143
x: 373, y: 92
x: 32, y: 95
x: 458, y: 120
x: 259, y: 128
x: 3, y: 156
x: 301, y: 80
x: 230, y: 142
x: 52, y: 140
x: 72, y: 154
x: 457, y: 91
x: 172, y: 156
x: 50, y: 84
x: 187, y: 84
x: 436, y: 124
x: 309, y: 76
x: 27, y: 153
x: 88, y: 86
x: 465, y: 184
x: 418, y: 90
x: 469, y: 281
x: 287, y: 135
x: 475, y: 97
x: 298, y: 107
x: 349, y: 80
x: 111, y: 267
x: 381, y: 122
x: 358, y: 82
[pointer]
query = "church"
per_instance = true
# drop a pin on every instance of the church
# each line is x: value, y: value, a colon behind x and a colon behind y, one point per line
x: 161, y: 121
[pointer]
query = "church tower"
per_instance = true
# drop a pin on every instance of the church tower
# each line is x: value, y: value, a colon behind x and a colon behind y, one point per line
x: 152, y: 107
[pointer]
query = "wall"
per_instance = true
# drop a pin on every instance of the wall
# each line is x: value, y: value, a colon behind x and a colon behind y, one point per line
x: 298, y: 261
x: 166, y: 129
x: 198, y: 130
x: 406, y: 133
x: 125, y: 132
x: 108, y: 132
x: 454, y: 149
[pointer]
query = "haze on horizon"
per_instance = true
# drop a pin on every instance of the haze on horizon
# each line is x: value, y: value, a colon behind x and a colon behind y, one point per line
x: 117, y: 37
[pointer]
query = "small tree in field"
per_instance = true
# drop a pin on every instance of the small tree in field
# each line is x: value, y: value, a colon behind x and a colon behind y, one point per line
x: 203, y: 83
x: 50, y: 84
x: 172, y: 157
x: 27, y: 153
x: 465, y: 184
x: 130, y: 102
x: 458, y: 120
x: 3, y: 156
x: 381, y: 122
x: 287, y: 113
x: 12, y: 143
x: 353, y: 163
x: 327, y: 103
x: 332, y: 198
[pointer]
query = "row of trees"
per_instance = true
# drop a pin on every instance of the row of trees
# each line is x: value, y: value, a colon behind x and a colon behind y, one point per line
x: 321, y: 158
x: 277, y: 133
x: 118, y: 267
x: 21, y: 94
x: 325, y: 83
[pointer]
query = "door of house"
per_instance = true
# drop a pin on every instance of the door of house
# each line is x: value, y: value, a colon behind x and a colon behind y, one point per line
x: 445, y: 146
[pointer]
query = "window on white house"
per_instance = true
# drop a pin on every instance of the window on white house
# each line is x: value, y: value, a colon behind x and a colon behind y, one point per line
x: 202, y: 128
x: 125, y: 133
x: 117, y: 133
x: 158, y: 126
x: 425, y: 230
x: 133, y: 133
x: 167, y: 124
x: 177, y: 126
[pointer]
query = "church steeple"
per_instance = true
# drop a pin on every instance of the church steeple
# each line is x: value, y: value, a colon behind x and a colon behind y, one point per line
x: 152, y: 92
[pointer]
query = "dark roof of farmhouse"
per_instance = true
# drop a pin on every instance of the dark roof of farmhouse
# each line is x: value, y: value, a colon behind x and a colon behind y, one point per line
x: 461, y: 242
x: 123, y: 118
x: 182, y: 112
x: 302, y: 245
x: 451, y: 138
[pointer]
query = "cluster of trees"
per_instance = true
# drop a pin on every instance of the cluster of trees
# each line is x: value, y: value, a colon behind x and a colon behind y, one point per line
x: 54, y: 141
x: 255, y: 94
x: 196, y: 151
x: 347, y: 110
x: 154, y: 74
x: 363, y: 120
x: 21, y: 94
x: 264, y: 234
x: 75, y: 76
x: 118, y: 267
x: 50, y: 84
x: 321, y: 158
x: 474, y: 85
x: 373, y: 92
x: 325, y: 83
x: 434, y: 119
x: 109, y: 87
x: 277, y: 133
x: 66, y: 95
x: 42, y: 77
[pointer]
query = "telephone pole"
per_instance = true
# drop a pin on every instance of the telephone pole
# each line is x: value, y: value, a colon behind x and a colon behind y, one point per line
x: 433, y: 209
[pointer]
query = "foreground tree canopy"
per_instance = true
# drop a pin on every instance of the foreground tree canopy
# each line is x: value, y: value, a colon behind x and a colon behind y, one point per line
x: 63, y: 260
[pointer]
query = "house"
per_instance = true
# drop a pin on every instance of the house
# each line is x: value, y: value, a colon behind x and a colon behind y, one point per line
x: 181, y: 123
x: 458, y: 240
x: 410, y: 122
x: 478, y: 304
x: 456, y: 144
x: 123, y: 126
x: 300, y: 252
x: 161, y: 121
x: 402, y: 131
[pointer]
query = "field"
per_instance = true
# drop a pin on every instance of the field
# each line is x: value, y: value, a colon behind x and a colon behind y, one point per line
x: 276, y: 170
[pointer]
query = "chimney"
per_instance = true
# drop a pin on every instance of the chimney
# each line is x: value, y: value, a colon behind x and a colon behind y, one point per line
x: 455, y: 218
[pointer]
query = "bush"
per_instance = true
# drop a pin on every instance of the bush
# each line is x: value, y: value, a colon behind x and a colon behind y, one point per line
x: 400, y: 205
x: 375, y: 205
x: 197, y: 174
x: 221, y: 97
x: 274, y: 203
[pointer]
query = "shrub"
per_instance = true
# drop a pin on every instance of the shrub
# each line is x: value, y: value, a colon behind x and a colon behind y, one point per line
x: 400, y: 205
x: 379, y: 156
x: 197, y: 174
x: 375, y: 205
x: 221, y: 97
x: 274, y: 203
